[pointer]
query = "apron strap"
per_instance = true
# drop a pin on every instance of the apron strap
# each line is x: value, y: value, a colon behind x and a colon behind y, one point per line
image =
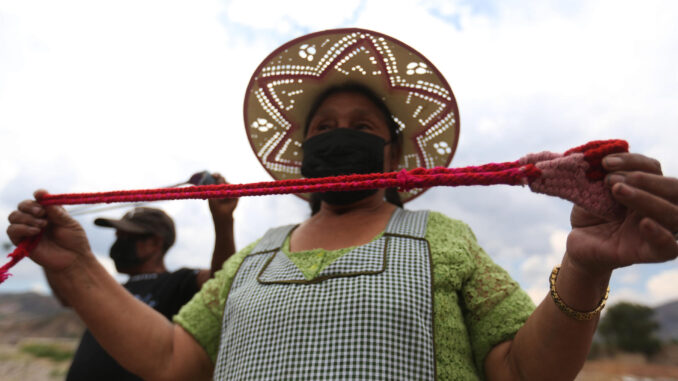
x: 408, y: 223
x: 273, y: 239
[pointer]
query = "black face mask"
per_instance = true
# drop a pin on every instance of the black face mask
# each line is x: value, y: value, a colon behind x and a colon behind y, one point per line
x: 124, y: 252
x: 343, y: 151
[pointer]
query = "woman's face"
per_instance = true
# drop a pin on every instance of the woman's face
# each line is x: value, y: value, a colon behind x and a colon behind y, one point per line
x: 355, y: 111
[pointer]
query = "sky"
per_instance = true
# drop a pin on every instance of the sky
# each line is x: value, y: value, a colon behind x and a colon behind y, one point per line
x: 98, y: 96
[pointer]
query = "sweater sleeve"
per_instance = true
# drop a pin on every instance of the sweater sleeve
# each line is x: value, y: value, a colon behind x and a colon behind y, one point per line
x: 495, y: 305
x: 492, y: 305
x: 201, y: 316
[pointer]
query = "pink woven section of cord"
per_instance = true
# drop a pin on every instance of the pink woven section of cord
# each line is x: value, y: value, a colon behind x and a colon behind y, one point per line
x: 565, y: 176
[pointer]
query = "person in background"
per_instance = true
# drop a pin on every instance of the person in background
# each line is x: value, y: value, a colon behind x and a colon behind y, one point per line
x: 143, y: 237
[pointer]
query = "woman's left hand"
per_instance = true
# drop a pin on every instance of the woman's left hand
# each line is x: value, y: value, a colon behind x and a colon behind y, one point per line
x: 646, y: 234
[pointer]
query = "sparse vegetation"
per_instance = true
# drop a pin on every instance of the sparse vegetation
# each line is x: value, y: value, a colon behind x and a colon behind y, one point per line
x: 58, y: 373
x: 630, y: 327
x: 51, y: 351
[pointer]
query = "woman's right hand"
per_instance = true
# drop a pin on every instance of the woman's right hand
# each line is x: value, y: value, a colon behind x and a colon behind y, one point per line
x: 63, y: 242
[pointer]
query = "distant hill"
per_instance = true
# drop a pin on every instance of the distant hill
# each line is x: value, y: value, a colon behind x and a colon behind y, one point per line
x: 35, y: 315
x: 667, y: 317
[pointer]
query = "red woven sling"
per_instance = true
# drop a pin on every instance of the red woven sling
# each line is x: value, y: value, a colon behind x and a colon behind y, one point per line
x: 576, y: 175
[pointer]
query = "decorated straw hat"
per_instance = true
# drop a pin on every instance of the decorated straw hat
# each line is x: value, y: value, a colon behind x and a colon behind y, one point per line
x: 284, y: 86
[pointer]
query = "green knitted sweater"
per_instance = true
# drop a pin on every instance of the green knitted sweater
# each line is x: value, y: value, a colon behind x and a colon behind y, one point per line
x: 476, y: 303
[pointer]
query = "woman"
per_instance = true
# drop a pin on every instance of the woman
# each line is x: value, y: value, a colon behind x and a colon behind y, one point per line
x: 363, y: 288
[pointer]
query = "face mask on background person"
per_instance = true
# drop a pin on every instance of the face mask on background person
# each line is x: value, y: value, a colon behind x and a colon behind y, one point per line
x: 124, y: 251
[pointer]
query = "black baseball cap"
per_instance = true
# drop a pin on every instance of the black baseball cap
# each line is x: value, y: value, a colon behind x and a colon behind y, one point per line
x: 143, y: 220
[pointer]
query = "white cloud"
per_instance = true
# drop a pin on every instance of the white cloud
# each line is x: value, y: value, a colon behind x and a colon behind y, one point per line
x: 537, y: 293
x: 629, y: 295
x: 537, y: 268
x: 628, y: 275
x: 658, y: 288
x: 291, y: 15
x: 662, y: 286
x: 40, y: 288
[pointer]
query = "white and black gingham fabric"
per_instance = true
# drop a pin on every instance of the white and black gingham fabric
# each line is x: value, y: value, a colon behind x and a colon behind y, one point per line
x: 367, y: 316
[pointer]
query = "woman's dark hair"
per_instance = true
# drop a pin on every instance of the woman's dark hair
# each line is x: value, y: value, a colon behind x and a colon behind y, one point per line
x: 391, y: 194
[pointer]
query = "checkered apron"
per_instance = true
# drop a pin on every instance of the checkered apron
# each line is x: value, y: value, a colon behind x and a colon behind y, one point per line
x: 367, y: 316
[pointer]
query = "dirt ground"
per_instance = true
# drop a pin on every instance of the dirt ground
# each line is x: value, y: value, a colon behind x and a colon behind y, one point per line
x: 627, y: 368
x: 16, y: 365
x: 596, y: 371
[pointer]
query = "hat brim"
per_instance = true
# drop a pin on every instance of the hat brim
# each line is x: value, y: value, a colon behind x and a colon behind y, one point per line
x: 122, y: 225
x: 282, y: 89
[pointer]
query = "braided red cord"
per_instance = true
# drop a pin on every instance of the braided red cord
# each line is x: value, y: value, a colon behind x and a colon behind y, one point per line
x: 520, y: 172
x: 20, y: 252
x: 513, y: 174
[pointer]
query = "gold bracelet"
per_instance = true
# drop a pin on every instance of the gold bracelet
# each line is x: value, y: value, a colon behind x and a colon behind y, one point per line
x: 577, y: 315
